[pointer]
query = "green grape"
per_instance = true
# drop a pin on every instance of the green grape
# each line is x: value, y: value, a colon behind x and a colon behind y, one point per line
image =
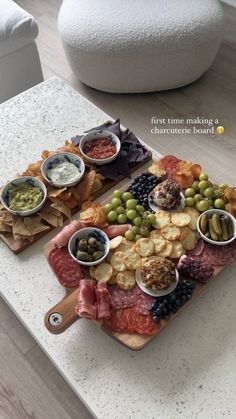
x: 203, y: 184
x: 198, y: 197
x: 189, y: 202
x: 131, y: 203
x: 218, y: 193
x: 145, y: 223
x: 116, y: 202
x: 145, y: 215
x: 202, y: 205
x: 203, y: 176
x: 120, y: 210
x: 151, y: 218
x: 189, y: 192
x: 122, y: 218
x: 144, y: 231
x: 129, y: 235
x: 140, y: 209
x: 108, y: 208
x: 211, y: 203
x: 126, y: 196
x: 117, y: 194
x: 112, y: 216
x: 131, y: 214
x: 135, y: 230
x: 138, y: 236
x: 209, y: 192
x: 219, y: 203
x: 195, y: 185
x: 137, y: 221
x: 223, y: 186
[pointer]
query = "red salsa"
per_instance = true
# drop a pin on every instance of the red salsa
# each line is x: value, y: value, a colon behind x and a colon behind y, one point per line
x: 100, y: 148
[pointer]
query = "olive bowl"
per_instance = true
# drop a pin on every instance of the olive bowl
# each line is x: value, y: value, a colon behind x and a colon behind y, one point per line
x: 95, y: 135
x: 29, y: 180
x: 57, y: 158
x: 86, y: 233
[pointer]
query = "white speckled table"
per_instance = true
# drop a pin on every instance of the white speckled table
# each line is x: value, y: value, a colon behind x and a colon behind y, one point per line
x: 188, y: 371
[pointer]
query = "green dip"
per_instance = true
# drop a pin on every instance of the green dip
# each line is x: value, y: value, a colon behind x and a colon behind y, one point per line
x: 24, y: 197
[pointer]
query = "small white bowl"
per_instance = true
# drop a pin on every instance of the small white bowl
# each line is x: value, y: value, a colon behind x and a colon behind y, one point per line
x: 60, y: 157
x: 94, y: 135
x: 220, y: 212
x: 83, y: 234
x: 32, y: 181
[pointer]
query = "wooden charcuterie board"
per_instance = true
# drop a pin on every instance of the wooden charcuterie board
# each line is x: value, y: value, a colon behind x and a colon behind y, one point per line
x: 17, y: 246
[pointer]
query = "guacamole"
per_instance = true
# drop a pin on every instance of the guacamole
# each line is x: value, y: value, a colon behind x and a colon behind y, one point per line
x: 24, y: 197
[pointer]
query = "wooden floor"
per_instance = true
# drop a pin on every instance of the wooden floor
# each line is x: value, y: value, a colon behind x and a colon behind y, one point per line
x: 30, y: 386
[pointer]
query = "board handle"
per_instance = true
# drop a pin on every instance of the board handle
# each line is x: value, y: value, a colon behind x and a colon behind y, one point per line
x: 63, y: 314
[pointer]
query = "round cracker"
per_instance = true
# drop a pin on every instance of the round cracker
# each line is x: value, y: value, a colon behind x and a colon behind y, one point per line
x: 118, y: 261
x: 177, y: 250
x: 158, y: 240
x: 180, y: 219
x: 126, y: 280
x: 162, y: 218
x: 125, y: 246
x: 132, y: 260
x: 103, y: 272
x: 166, y: 252
x: 194, y: 214
x: 188, y: 238
x: 112, y: 280
x: 144, y: 247
x: 115, y: 242
x: 92, y: 270
x: 170, y: 232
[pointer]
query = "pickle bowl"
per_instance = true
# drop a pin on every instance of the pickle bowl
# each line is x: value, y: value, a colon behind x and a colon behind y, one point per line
x: 221, y: 213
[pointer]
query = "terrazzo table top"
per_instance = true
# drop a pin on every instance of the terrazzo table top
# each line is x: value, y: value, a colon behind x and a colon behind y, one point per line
x: 188, y: 371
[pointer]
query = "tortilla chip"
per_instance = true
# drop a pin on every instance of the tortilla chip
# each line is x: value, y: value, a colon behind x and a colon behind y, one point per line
x: 60, y: 221
x: 33, y: 169
x: 97, y: 185
x: 82, y: 191
x: 5, y: 228
x: 34, y: 225
x: 62, y: 207
x: 7, y: 217
x: 68, y: 147
x: 19, y: 228
x: 55, y: 192
x: 50, y: 218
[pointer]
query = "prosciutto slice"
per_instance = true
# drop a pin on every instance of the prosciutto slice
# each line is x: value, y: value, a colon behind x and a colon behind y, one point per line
x: 62, y: 238
x: 103, y: 301
x: 87, y: 306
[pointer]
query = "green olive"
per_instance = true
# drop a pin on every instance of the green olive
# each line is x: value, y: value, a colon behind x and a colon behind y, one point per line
x: 83, y: 244
x: 90, y: 250
x: 100, y: 246
x: 92, y: 242
x: 84, y: 256
x: 97, y: 255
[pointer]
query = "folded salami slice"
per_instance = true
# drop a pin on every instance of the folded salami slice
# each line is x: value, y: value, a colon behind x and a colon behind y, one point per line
x: 87, y: 306
x: 103, y: 301
x: 67, y: 270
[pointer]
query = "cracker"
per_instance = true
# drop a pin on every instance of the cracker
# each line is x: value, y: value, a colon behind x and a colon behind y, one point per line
x: 115, y: 242
x: 118, y: 261
x: 180, y: 219
x: 158, y: 240
x: 166, y: 252
x: 194, y: 214
x: 103, y: 272
x: 113, y: 278
x: 188, y: 238
x: 162, y: 218
x: 170, y: 232
x: 177, y: 250
x: 132, y: 260
x: 125, y: 246
x: 144, y: 247
x: 92, y: 270
x: 126, y: 280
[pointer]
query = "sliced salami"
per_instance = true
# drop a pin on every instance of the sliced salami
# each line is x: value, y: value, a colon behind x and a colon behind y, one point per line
x: 217, y: 255
x: 198, y: 250
x: 66, y: 269
x: 169, y: 163
x: 134, y: 297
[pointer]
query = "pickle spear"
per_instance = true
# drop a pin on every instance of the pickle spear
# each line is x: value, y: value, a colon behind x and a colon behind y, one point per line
x: 203, y: 223
x: 215, y: 220
x: 212, y: 232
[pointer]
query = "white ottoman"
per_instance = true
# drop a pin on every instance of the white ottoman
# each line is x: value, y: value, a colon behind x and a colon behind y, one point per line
x: 20, y: 66
x: 126, y: 46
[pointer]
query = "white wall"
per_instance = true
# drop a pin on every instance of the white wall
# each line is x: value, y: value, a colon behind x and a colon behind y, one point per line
x: 231, y: 2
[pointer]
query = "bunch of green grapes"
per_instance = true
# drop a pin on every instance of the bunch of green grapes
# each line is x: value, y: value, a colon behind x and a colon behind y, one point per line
x: 124, y: 208
x: 204, y: 195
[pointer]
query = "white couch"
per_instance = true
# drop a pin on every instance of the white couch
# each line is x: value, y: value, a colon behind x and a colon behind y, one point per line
x: 20, y: 66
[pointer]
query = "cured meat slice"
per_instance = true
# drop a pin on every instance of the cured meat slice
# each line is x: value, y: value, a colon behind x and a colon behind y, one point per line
x: 130, y: 320
x: 103, y: 301
x: 86, y: 306
x: 62, y: 238
x: 198, y: 250
x: 114, y: 230
x: 195, y: 269
x: 66, y: 269
x: 216, y: 255
x: 134, y: 297
x: 169, y: 163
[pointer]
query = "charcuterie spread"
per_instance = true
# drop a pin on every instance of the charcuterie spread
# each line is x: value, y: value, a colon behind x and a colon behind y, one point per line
x: 155, y: 260
x: 69, y: 178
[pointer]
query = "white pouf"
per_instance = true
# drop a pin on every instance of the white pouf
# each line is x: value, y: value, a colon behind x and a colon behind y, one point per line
x: 127, y: 46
